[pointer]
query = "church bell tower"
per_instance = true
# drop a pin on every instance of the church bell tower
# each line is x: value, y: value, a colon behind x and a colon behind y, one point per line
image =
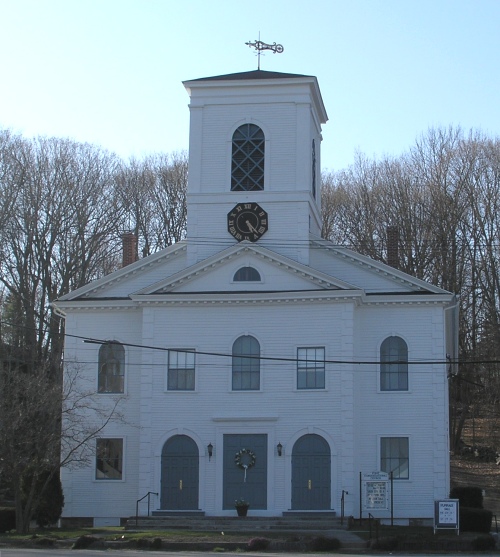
x: 254, y: 163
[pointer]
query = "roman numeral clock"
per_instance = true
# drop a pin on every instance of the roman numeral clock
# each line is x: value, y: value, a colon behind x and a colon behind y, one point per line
x: 247, y: 221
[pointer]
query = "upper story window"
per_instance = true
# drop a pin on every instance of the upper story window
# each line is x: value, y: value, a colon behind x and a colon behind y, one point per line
x: 247, y: 162
x: 246, y: 274
x: 246, y: 364
x: 310, y: 368
x: 394, y: 364
x: 180, y: 370
x: 111, y: 373
x: 109, y: 459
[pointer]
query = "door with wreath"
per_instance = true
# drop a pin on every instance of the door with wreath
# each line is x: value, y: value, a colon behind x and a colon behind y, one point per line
x: 245, y: 470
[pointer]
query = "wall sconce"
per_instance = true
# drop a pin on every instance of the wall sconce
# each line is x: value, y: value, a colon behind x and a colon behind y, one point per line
x: 210, y: 449
x: 279, y: 448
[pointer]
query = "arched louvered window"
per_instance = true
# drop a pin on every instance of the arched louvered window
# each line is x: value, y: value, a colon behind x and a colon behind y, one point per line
x: 394, y: 365
x: 111, y: 372
x: 246, y: 364
x: 246, y: 274
x: 247, y: 163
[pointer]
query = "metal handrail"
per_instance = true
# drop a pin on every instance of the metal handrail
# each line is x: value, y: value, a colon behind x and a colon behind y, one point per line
x: 342, y: 501
x: 370, y: 519
x: 148, y: 495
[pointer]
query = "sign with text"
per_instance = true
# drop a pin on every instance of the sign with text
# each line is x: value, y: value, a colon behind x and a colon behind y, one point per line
x: 446, y: 515
x: 375, y: 491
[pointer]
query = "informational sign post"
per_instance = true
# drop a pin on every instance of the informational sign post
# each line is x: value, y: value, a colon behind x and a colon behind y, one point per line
x: 375, y: 491
x: 446, y: 515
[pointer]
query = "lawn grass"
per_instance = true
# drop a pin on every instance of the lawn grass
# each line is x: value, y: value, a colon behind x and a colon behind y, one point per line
x: 120, y: 533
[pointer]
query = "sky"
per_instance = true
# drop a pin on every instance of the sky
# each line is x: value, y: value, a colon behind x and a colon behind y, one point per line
x: 110, y: 72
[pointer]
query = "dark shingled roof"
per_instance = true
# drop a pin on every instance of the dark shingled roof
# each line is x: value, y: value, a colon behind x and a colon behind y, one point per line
x: 254, y: 74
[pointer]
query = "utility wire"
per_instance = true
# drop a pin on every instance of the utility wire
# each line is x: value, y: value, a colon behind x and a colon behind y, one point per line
x: 91, y: 340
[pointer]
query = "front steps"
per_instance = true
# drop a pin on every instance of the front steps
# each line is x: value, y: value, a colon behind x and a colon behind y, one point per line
x: 289, y: 522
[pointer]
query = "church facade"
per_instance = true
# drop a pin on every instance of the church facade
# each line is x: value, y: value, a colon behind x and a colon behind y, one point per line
x: 255, y: 360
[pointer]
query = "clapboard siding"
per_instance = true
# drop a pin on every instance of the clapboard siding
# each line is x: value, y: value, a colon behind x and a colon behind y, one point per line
x: 312, y: 294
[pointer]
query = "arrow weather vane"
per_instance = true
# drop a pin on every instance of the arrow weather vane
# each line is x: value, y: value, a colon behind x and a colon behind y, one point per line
x: 260, y: 46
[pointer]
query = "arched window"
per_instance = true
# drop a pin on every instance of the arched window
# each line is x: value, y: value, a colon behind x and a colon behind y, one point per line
x: 246, y: 364
x: 247, y: 162
x: 111, y: 368
x: 394, y: 365
x: 246, y: 274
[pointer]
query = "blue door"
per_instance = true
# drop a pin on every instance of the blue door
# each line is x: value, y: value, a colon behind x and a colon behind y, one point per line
x: 179, y: 474
x: 248, y: 483
x: 311, y: 474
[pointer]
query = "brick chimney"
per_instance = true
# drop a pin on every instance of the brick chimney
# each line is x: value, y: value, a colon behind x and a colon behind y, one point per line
x: 129, y: 248
x: 393, y: 246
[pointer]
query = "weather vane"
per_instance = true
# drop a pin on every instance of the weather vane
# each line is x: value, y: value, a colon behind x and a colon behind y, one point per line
x: 260, y: 46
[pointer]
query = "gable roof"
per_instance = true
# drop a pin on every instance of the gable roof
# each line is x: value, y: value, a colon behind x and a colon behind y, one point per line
x: 316, y: 280
x: 136, y: 273
x: 333, y: 271
x: 402, y: 281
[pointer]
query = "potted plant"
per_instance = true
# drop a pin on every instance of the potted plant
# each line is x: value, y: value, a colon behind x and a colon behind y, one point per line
x: 241, y: 507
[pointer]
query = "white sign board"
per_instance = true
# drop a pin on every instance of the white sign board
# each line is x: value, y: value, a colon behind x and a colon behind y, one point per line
x: 446, y: 515
x: 375, y: 491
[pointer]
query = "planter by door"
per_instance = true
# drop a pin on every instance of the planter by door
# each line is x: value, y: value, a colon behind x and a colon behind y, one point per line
x: 242, y: 511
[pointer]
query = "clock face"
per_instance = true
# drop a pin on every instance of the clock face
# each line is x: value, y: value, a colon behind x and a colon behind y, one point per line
x: 247, y: 221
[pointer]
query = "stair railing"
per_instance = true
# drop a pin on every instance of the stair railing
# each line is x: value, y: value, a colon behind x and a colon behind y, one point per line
x: 148, y: 495
x: 376, y: 522
x: 342, y: 502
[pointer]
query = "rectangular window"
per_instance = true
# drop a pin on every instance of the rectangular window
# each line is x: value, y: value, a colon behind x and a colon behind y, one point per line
x: 109, y: 459
x: 395, y: 457
x: 310, y: 368
x: 180, y: 370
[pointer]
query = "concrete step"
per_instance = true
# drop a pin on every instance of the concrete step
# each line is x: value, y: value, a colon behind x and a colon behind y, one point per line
x: 291, y: 522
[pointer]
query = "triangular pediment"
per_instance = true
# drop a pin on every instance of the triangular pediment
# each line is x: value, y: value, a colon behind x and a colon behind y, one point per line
x: 332, y: 269
x: 217, y: 274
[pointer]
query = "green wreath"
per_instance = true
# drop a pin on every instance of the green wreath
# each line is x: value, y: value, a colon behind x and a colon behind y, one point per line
x: 238, y: 459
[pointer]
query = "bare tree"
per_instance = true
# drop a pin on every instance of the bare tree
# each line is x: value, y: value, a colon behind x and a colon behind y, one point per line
x: 444, y: 197
x: 34, y: 442
x: 153, y: 196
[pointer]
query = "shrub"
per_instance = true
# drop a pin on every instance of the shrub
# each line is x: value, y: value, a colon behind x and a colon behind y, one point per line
x: 324, y: 543
x: 44, y: 542
x: 258, y: 544
x: 7, y: 519
x: 50, y: 505
x: 471, y: 497
x: 156, y: 543
x: 83, y: 542
x: 475, y: 520
x: 483, y: 543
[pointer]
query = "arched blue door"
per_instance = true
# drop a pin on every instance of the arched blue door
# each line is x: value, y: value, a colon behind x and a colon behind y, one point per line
x: 311, y: 473
x: 179, y: 474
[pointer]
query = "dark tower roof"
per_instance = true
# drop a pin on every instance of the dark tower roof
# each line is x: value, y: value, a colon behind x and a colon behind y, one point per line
x: 254, y: 74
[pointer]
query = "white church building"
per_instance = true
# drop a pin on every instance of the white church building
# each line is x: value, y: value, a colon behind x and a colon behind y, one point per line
x: 256, y: 360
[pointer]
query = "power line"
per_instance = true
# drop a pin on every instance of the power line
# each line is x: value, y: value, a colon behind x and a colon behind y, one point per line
x: 90, y: 340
